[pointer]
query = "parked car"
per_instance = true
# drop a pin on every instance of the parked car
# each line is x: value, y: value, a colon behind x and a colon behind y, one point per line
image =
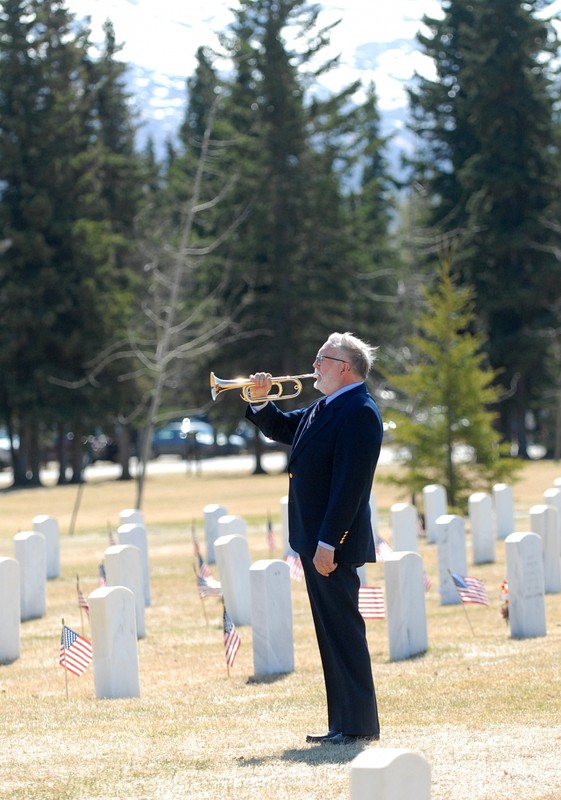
x: 193, y: 438
x: 185, y: 438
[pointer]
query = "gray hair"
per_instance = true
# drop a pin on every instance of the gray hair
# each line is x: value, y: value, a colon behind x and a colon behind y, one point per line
x: 360, y: 354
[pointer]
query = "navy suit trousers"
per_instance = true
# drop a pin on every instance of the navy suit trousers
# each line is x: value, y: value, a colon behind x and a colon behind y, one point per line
x: 341, y: 636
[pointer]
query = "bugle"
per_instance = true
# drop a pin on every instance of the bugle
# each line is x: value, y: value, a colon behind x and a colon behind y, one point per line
x: 217, y: 385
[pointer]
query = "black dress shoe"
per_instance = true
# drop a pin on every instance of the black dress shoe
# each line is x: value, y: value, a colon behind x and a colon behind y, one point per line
x: 347, y: 738
x: 321, y: 737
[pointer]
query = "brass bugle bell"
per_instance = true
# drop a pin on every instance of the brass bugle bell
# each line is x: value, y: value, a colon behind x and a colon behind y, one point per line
x: 217, y: 385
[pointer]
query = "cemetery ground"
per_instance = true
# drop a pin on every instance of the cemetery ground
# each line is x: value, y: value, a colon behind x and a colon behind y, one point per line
x: 482, y: 708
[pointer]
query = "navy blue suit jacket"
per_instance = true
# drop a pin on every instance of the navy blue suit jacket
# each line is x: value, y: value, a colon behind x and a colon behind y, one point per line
x: 331, y: 468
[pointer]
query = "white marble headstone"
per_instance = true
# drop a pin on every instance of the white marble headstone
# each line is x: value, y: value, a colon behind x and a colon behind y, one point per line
x: 435, y: 504
x: 480, y: 507
x: 232, y: 559
x: 544, y: 521
x: 526, y: 590
x: 403, y: 517
x: 211, y: 514
x: 131, y: 516
x: 48, y: 526
x: 552, y: 497
x: 504, y: 510
x: 451, y: 543
x: 10, y: 610
x: 114, y: 642
x: 285, y: 528
x: 380, y: 773
x: 30, y: 551
x: 374, y: 514
x: 405, y: 605
x: 123, y: 567
x: 229, y: 524
x: 271, y: 617
x: 136, y: 534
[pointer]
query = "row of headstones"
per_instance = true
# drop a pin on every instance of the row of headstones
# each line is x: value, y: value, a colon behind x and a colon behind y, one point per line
x: 116, y: 610
x: 259, y: 595
x: 492, y: 517
x: 23, y: 582
x: 252, y: 593
x: 533, y: 558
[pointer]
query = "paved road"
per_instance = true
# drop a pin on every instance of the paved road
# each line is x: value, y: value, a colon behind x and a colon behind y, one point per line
x: 272, y: 462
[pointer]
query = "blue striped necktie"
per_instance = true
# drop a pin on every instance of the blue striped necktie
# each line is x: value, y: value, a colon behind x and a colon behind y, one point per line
x: 319, y: 406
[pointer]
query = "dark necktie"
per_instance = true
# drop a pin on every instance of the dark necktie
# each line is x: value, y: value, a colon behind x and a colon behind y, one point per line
x: 313, y: 414
x: 319, y: 406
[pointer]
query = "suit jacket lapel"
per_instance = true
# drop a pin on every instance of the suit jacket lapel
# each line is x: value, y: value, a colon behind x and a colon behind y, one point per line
x: 326, y: 416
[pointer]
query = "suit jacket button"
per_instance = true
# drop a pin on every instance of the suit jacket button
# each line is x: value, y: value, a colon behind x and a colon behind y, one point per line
x: 290, y: 474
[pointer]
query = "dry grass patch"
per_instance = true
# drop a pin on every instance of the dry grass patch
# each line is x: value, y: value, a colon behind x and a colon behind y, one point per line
x: 483, y: 709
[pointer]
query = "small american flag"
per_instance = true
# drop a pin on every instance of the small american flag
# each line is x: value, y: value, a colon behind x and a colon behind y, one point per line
x: 209, y: 587
x: 111, y: 535
x: 383, y: 549
x: 75, y: 652
x: 471, y: 590
x: 270, y: 534
x: 295, y: 566
x: 102, y: 575
x: 371, y: 602
x: 231, y: 639
x: 204, y: 569
x: 83, y: 603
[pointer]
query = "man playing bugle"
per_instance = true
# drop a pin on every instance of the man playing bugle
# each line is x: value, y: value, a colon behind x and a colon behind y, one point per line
x: 335, y: 444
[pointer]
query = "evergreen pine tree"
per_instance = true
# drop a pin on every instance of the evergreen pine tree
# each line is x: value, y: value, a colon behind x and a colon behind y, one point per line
x: 489, y: 161
x: 371, y: 209
x: 294, y: 254
x: 62, y: 280
x: 449, y: 395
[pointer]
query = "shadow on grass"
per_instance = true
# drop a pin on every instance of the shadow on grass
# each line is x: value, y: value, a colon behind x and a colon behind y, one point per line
x: 311, y: 754
x: 265, y: 679
x: 324, y: 753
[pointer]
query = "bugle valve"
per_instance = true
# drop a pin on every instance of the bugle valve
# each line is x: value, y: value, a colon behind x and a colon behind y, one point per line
x: 218, y: 385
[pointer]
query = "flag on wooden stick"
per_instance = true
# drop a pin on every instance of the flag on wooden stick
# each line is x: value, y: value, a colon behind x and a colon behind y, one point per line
x: 202, y: 567
x: 207, y: 584
x: 83, y: 604
x: 232, y: 640
x: 209, y: 587
x: 270, y: 535
x: 471, y: 590
x: 75, y: 652
x: 111, y: 535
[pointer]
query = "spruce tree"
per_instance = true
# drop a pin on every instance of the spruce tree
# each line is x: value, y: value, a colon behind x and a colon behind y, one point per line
x: 62, y: 280
x: 371, y: 209
x: 445, y: 425
x: 489, y: 161
x: 294, y: 254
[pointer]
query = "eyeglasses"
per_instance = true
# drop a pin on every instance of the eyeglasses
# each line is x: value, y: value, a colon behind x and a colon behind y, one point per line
x: 320, y: 359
